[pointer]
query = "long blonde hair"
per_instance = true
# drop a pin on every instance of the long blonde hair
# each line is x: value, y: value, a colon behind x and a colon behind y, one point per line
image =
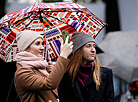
x: 75, y: 62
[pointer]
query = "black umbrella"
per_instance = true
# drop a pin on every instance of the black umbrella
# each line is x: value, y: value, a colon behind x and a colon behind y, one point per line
x: 121, y: 54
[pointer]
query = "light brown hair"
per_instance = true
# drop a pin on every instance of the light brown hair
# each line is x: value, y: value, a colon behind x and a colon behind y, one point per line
x: 75, y: 62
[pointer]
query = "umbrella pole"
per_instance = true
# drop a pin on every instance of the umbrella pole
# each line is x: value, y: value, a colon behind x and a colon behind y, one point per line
x: 47, y: 52
x: 46, y: 41
x: 46, y: 48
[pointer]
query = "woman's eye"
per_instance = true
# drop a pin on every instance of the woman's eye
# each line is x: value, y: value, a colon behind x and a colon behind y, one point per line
x: 88, y: 45
x: 37, y: 43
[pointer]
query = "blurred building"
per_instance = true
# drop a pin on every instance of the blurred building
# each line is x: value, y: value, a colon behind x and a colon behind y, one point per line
x: 128, y: 11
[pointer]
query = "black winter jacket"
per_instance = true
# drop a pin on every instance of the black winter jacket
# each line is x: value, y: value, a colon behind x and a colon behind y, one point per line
x: 68, y: 91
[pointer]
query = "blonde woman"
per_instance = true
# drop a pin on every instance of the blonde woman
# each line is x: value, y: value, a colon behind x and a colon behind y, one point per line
x: 86, y: 79
x: 35, y: 79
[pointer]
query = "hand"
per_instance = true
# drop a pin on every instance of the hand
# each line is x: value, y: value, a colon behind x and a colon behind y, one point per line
x: 66, y: 48
x: 50, y: 66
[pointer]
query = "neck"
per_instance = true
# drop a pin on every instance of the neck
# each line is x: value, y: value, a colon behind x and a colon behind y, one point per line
x: 87, y: 68
x: 86, y: 62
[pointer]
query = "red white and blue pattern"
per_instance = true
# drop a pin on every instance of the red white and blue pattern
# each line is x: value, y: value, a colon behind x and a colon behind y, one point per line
x: 49, y: 19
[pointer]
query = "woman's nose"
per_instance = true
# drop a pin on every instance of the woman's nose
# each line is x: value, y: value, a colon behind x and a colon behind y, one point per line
x: 93, y: 49
x: 42, y: 47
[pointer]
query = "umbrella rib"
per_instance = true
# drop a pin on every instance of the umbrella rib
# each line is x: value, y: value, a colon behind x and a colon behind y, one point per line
x: 47, y: 10
x: 57, y: 19
x: 23, y: 19
x: 29, y: 23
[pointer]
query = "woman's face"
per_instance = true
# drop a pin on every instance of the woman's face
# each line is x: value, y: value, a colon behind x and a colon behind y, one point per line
x: 89, y: 52
x: 37, y: 47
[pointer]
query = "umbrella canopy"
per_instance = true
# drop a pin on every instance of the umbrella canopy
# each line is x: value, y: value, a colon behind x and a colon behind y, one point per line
x: 49, y: 19
x: 121, y: 54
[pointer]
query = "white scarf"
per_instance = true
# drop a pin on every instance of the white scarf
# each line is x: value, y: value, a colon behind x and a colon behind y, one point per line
x: 27, y: 59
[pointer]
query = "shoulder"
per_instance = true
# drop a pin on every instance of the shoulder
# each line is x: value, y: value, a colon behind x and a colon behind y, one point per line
x: 23, y: 71
x: 106, y: 71
x: 21, y: 68
x: 66, y: 78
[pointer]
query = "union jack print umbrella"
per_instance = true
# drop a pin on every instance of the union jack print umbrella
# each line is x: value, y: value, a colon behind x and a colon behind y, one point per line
x: 48, y: 19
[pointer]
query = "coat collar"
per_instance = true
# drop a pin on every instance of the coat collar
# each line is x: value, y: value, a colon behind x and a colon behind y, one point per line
x: 89, y: 81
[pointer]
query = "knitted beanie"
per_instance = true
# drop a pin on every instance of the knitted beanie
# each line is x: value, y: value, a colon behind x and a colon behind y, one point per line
x: 26, y: 38
x: 80, y: 39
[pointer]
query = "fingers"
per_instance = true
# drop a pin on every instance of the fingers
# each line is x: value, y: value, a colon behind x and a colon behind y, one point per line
x: 66, y: 41
x: 50, y: 63
x: 50, y: 66
x: 71, y: 46
x: 66, y: 48
x: 71, y: 43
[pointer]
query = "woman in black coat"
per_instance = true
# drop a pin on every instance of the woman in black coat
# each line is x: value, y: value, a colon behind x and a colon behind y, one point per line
x: 86, y: 80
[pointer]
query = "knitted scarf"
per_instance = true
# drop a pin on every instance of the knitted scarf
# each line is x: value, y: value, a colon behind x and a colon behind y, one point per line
x: 27, y: 59
x: 84, y: 72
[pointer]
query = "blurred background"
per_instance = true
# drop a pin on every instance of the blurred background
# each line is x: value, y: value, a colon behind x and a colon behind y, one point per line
x: 120, y: 15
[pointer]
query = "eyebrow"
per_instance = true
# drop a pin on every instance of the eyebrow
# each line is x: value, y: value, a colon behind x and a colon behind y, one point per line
x: 37, y: 41
x: 90, y: 43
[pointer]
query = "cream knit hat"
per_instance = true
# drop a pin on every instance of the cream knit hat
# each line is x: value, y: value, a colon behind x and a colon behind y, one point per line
x: 26, y: 38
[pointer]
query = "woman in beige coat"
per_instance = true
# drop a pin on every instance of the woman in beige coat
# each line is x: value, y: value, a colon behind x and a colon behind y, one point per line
x: 35, y: 79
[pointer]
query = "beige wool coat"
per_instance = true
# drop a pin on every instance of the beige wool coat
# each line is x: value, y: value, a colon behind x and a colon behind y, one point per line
x: 30, y: 82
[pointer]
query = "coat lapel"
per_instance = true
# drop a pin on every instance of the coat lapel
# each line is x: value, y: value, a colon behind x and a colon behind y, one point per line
x: 89, y: 81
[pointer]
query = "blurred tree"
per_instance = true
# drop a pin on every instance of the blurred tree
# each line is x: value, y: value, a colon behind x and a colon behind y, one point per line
x: 2, y: 8
x: 52, y: 1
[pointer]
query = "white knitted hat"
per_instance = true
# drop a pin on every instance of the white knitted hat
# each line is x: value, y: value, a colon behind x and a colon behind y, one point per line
x: 26, y: 38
